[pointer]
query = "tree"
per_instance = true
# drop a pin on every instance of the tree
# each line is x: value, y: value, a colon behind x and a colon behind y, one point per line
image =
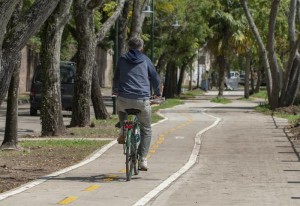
x: 175, y: 48
x: 226, y: 26
x: 51, y: 115
x: 18, y: 36
x: 11, y: 42
x: 87, y: 41
x: 282, y: 89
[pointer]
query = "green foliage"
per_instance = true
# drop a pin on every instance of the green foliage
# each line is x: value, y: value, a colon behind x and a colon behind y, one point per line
x: 221, y: 100
x: 191, y: 94
x: 63, y: 143
x: 109, y: 7
x: 167, y: 104
x: 35, y: 43
x: 103, y: 127
x: 27, y: 4
x: 266, y: 109
x: 261, y: 94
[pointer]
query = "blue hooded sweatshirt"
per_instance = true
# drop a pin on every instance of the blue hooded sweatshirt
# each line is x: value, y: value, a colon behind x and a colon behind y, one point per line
x: 134, y: 75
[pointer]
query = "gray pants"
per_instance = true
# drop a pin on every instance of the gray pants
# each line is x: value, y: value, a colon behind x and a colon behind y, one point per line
x: 144, y: 118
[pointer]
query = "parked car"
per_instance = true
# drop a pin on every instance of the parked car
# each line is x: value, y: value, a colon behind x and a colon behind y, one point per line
x: 231, y: 83
x: 67, y: 75
x: 242, y: 78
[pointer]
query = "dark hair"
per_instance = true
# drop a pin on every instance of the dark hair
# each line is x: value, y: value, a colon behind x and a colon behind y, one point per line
x: 135, y: 43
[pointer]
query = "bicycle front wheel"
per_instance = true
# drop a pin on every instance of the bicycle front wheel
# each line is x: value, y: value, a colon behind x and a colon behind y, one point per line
x: 135, y: 164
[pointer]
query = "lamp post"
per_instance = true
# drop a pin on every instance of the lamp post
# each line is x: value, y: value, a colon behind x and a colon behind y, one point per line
x: 152, y: 32
x: 150, y: 11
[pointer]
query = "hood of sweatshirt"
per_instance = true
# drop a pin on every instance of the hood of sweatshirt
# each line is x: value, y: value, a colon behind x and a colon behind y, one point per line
x: 134, y: 56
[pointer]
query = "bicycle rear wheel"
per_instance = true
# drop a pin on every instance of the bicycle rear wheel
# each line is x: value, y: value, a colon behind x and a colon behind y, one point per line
x: 128, y: 156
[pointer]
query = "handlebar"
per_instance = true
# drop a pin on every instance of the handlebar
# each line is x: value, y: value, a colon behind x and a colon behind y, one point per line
x: 153, y: 100
x: 157, y: 100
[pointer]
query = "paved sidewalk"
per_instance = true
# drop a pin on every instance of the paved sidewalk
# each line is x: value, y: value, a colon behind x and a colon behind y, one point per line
x: 203, y: 154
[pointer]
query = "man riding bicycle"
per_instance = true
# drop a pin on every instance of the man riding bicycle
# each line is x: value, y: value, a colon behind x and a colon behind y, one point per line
x: 134, y: 75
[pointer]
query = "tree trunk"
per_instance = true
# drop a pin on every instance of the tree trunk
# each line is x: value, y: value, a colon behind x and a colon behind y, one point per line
x: 290, y: 88
x: 51, y: 107
x: 123, y: 19
x: 247, y: 74
x: 137, y: 19
x: 6, y: 10
x: 109, y: 22
x: 87, y: 41
x: 261, y: 46
x: 161, y: 63
x: 180, y: 80
x: 170, y: 81
x: 11, y: 125
x: 18, y: 36
x: 97, y: 99
x: 274, y: 98
x: 289, y: 94
x: 86, y: 56
x: 182, y: 73
x: 221, y: 77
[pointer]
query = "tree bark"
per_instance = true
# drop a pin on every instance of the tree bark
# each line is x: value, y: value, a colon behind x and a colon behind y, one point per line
x: 18, y: 36
x: 221, y: 77
x: 6, y: 10
x: 161, y: 63
x: 123, y: 19
x: 138, y: 18
x: 183, y: 69
x: 247, y: 74
x: 85, y: 63
x: 11, y: 125
x: 87, y: 41
x: 290, y: 87
x: 110, y: 22
x: 51, y: 107
x: 261, y: 46
x: 171, y: 81
x: 274, y: 98
x: 98, y: 104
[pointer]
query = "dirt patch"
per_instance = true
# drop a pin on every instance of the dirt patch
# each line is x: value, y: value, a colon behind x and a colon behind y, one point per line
x: 295, y: 127
x: 30, y: 163
x: 291, y: 110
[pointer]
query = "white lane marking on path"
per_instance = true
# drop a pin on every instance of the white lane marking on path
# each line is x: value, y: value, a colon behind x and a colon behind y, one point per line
x: 179, y: 137
x: 45, y: 178
x: 193, y: 158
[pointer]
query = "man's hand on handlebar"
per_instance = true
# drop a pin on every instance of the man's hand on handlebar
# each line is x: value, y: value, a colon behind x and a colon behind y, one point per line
x: 155, y: 99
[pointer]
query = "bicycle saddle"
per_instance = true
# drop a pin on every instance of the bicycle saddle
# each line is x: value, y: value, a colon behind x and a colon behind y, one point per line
x: 133, y: 111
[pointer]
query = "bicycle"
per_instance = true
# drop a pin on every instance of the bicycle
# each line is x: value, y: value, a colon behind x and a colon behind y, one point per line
x: 131, y: 132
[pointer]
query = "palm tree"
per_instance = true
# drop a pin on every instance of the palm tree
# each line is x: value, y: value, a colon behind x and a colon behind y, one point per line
x: 227, y: 27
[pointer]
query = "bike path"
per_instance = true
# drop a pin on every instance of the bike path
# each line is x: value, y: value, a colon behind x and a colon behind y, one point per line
x: 244, y: 158
x: 103, y: 180
x: 247, y: 160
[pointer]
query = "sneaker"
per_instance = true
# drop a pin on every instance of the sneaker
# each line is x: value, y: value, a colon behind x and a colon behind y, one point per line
x: 122, y: 135
x: 143, y: 164
x: 121, y: 139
